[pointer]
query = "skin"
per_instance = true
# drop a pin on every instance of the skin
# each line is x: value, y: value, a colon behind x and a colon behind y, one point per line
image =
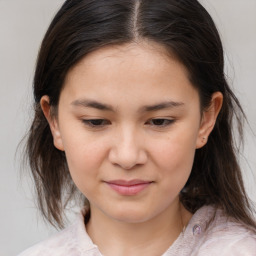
x: 148, y: 126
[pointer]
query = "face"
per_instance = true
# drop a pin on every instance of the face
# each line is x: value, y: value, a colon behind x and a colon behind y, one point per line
x: 129, y: 122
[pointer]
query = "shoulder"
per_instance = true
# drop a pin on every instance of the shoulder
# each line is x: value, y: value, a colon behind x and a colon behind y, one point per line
x: 225, y: 236
x: 73, y: 241
x: 53, y: 245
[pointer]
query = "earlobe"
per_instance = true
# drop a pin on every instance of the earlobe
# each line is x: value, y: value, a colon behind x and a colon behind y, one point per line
x: 209, y: 117
x: 52, y: 121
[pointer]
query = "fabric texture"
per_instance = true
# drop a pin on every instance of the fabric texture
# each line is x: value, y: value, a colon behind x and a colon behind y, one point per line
x: 221, y: 236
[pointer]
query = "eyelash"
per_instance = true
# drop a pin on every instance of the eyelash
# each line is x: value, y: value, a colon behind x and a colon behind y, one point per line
x: 163, y: 122
x: 96, y: 123
x: 99, y: 123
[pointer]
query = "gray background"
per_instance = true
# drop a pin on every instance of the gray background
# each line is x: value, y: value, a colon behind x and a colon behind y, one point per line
x: 22, y: 26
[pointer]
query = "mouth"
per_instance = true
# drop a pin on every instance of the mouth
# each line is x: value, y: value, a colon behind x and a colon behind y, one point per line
x: 128, y: 187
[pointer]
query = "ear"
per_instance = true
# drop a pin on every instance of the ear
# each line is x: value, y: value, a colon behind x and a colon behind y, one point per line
x: 208, y: 120
x: 53, y: 122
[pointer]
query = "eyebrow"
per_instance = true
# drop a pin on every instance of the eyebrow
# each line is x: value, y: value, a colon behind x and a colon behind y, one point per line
x: 101, y: 106
x: 162, y: 105
x: 92, y: 104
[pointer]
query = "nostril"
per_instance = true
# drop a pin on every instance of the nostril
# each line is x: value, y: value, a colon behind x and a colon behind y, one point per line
x: 127, y: 160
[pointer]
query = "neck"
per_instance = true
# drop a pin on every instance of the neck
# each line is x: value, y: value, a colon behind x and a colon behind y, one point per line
x: 149, y: 237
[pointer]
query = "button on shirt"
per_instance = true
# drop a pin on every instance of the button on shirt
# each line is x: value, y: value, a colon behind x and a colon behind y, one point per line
x: 209, y: 232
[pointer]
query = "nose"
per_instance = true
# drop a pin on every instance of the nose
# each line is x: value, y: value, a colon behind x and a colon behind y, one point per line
x: 127, y: 150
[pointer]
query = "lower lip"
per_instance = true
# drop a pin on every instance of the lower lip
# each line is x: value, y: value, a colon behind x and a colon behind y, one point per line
x: 129, y: 190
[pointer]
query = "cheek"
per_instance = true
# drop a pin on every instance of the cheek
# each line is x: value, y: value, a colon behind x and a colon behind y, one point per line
x: 174, y: 172
x: 84, y: 158
x: 175, y: 156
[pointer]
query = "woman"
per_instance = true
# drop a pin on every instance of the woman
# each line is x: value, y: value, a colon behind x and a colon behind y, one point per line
x: 132, y: 110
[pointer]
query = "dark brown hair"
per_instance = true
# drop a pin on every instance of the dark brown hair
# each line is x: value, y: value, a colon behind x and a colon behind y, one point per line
x: 188, y: 32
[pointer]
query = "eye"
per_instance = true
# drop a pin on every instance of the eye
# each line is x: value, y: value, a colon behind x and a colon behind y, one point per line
x: 95, y: 122
x: 160, y: 122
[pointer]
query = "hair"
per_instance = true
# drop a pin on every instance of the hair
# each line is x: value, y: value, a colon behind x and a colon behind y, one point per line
x: 187, y: 31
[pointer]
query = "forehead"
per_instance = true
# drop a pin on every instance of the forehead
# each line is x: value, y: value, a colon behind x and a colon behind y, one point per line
x: 146, y: 55
x: 129, y: 71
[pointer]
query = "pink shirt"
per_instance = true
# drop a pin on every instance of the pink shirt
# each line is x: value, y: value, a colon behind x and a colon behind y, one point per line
x: 222, y: 238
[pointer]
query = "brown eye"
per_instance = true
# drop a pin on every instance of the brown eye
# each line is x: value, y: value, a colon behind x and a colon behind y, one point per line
x: 95, y: 122
x: 160, y: 122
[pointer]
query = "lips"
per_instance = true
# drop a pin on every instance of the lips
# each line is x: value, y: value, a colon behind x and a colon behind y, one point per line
x: 128, y: 188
